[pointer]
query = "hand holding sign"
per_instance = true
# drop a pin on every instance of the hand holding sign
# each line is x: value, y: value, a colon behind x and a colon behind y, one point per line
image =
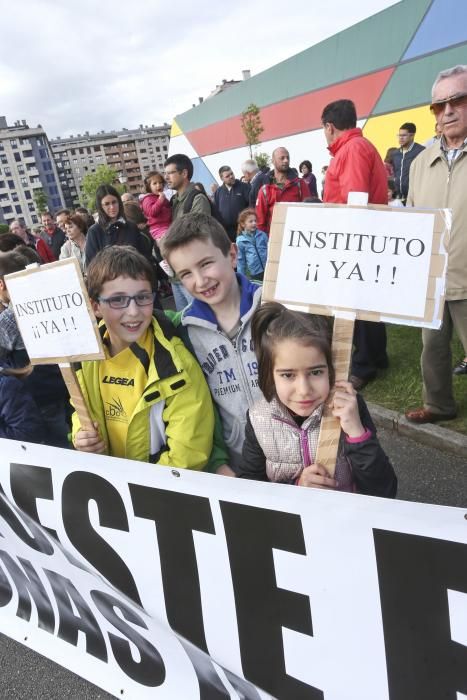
x: 371, y: 263
x: 56, y: 321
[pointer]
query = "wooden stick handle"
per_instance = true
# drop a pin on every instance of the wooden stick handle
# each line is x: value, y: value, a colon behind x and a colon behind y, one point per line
x: 74, y: 389
x: 330, y: 430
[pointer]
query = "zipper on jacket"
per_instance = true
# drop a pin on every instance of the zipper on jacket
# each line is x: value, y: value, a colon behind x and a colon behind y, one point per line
x: 304, y: 443
x: 450, y: 169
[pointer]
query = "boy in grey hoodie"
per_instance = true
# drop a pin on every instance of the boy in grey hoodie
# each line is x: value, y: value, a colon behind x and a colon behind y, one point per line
x: 218, y: 320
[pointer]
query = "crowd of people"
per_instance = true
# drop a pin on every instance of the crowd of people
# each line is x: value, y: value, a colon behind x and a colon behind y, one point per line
x: 223, y: 383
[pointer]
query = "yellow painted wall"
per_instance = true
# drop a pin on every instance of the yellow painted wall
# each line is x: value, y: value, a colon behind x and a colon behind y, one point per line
x: 175, y: 130
x: 382, y: 131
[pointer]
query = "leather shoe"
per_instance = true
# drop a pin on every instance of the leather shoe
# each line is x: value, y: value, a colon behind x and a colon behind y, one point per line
x: 461, y: 368
x: 424, y: 415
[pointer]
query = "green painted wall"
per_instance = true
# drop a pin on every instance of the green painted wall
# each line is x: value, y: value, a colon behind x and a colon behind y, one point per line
x: 374, y: 43
x: 411, y: 82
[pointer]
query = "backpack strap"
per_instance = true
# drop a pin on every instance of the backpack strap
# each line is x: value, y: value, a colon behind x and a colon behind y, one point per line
x: 188, y: 203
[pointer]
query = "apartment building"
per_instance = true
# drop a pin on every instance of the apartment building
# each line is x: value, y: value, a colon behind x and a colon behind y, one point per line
x: 131, y: 152
x: 26, y: 165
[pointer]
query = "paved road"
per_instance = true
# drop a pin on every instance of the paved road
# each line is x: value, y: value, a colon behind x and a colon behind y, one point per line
x: 425, y: 475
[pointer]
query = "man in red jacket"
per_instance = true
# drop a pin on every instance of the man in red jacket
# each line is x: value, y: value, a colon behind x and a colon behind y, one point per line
x: 281, y: 184
x: 356, y: 167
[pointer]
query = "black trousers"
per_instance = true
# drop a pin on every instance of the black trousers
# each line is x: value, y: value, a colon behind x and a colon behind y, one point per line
x: 369, y: 353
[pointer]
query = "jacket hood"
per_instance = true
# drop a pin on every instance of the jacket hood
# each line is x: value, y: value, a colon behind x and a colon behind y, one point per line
x: 292, y: 174
x: 200, y: 313
x: 346, y: 136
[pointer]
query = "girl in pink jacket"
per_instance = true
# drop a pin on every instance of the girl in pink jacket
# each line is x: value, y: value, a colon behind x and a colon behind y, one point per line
x: 155, y: 205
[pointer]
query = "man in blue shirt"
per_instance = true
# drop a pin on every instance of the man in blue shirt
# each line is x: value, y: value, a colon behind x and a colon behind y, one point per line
x: 402, y: 160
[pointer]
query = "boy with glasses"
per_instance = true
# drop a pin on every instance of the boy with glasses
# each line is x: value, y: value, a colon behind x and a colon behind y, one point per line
x: 148, y: 399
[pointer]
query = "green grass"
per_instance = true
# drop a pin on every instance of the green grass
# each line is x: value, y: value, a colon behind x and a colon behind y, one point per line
x: 400, y: 387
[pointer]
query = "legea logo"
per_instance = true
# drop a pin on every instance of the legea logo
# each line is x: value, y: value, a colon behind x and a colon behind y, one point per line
x: 123, y: 381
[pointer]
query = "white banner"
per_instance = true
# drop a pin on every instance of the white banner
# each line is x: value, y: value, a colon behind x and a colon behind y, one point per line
x: 305, y: 593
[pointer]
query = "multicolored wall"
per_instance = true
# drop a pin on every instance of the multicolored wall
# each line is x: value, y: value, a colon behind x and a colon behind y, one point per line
x: 385, y: 64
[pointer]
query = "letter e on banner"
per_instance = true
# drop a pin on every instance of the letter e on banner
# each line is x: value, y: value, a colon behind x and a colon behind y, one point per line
x: 415, y: 574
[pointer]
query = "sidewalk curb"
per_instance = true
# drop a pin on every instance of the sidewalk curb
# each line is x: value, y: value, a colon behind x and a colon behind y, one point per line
x: 428, y: 434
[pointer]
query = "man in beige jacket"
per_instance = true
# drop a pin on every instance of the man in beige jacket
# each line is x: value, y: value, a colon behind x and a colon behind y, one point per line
x: 438, y: 178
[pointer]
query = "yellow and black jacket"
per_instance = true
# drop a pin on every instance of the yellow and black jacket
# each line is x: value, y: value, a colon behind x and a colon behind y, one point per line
x: 173, y: 421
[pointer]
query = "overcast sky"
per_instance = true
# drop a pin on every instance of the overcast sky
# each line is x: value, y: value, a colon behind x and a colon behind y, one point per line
x: 82, y: 65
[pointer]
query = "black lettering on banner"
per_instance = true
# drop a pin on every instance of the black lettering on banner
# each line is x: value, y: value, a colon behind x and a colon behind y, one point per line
x: 176, y: 515
x: 263, y: 608
x: 78, y: 489
x: 33, y: 535
x: 69, y: 623
x: 415, y: 574
x: 28, y: 483
x: 6, y: 592
x: 177, y: 553
x: 29, y: 587
x: 150, y: 669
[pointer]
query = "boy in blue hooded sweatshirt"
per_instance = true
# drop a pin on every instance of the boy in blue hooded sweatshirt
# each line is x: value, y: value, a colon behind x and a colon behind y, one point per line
x: 218, y: 320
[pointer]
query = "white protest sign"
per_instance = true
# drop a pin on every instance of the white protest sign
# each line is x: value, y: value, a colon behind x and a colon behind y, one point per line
x: 370, y: 260
x: 53, y: 313
x: 280, y: 585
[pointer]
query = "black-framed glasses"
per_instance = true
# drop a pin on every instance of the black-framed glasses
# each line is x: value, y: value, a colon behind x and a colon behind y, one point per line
x: 455, y: 101
x: 122, y: 301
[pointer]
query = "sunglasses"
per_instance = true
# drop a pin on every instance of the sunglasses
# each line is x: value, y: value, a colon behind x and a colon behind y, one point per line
x: 454, y: 101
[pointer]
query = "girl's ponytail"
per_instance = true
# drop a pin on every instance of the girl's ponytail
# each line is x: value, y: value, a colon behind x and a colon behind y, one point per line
x: 263, y: 334
x: 262, y: 319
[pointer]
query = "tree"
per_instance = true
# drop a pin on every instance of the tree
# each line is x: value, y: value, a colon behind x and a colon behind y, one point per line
x: 262, y: 160
x: 251, y: 126
x: 40, y: 201
x: 103, y: 175
x: 4, y: 228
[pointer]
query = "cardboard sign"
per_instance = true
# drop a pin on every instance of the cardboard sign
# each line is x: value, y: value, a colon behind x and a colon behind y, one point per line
x: 54, y: 314
x: 168, y: 584
x: 372, y: 263
x: 382, y: 263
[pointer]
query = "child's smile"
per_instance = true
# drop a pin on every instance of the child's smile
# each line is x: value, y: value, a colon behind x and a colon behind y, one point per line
x: 125, y: 325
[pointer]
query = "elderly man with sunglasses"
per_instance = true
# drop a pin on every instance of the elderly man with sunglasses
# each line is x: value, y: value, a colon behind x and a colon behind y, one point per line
x: 438, y: 178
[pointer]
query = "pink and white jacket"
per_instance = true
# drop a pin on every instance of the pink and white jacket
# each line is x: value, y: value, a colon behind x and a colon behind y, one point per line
x: 158, y: 212
x: 277, y: 449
